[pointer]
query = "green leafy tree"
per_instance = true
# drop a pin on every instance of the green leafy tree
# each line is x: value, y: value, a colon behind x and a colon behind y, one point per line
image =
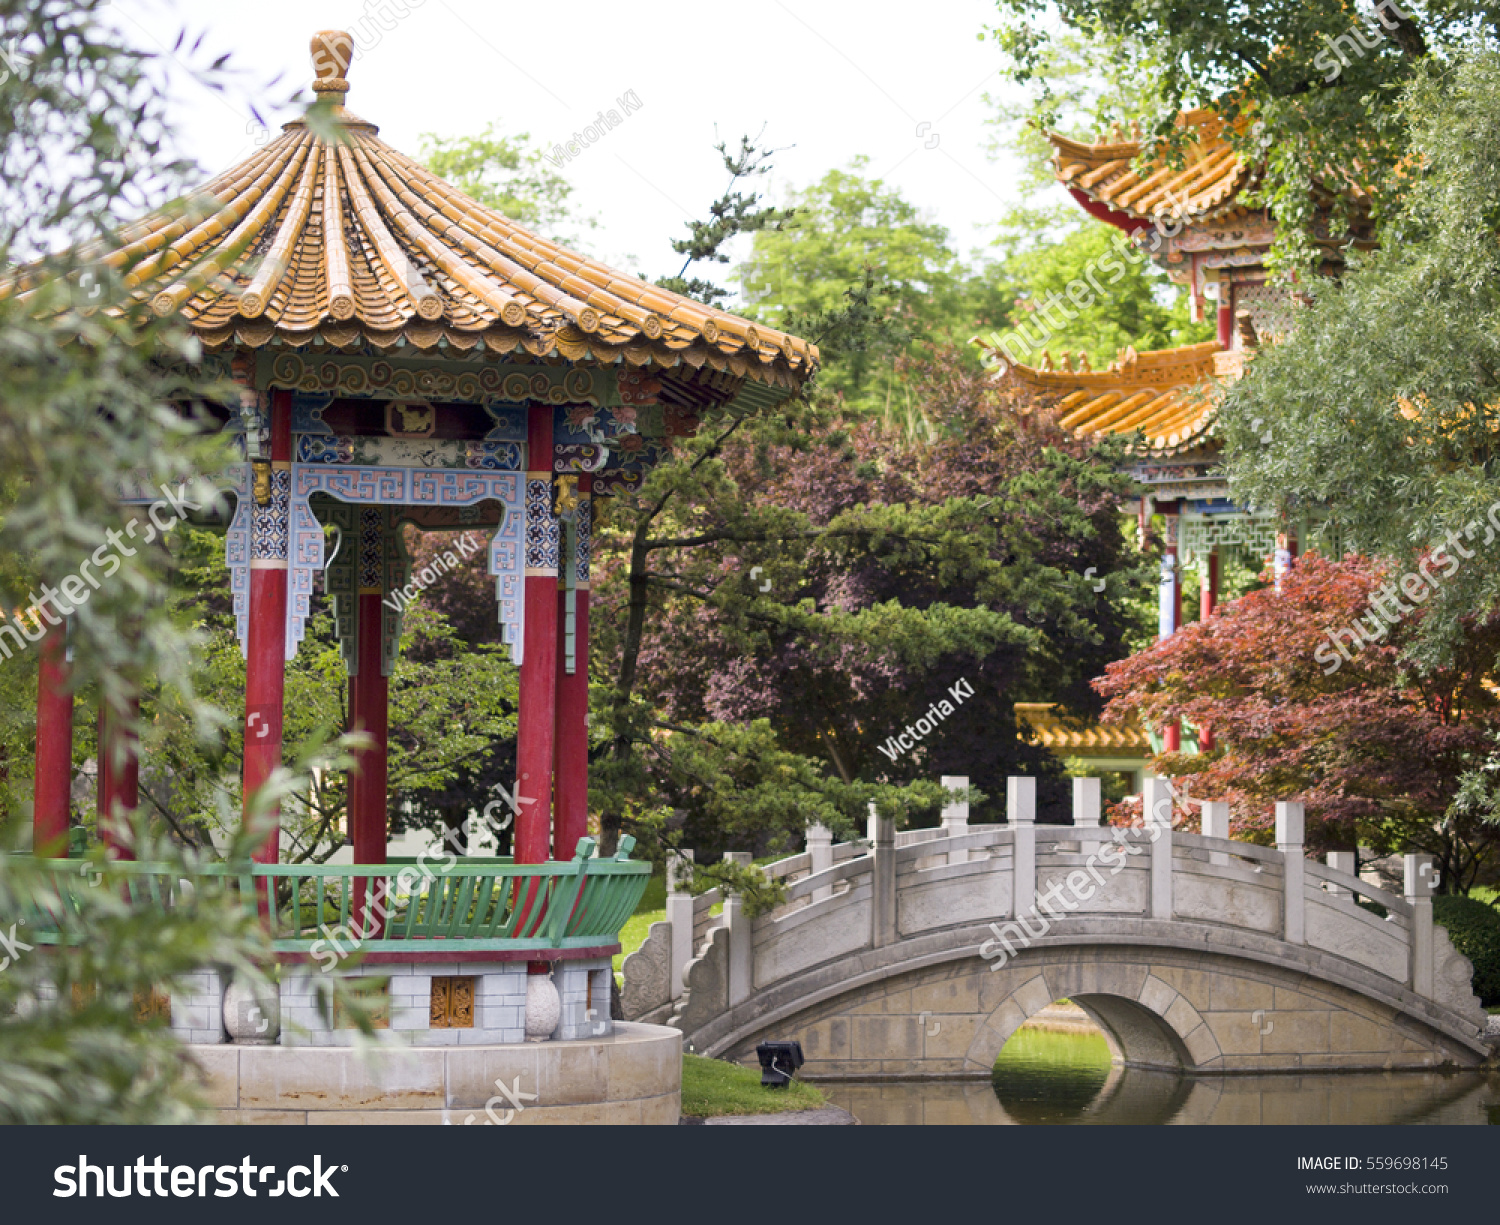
x: 84, y: 144
x: 1317, y: 83
x: 1138, y: 305
x: 855, y: 232
x: 1378, y: 410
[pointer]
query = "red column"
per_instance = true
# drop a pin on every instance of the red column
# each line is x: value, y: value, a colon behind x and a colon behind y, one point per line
x: 119, y: 777
x: 535, y: 737
x: 1226, y: 318
x: 572, y: 819
x: 265, y: 664
x: 1208, y: 599
x: 53, y: 780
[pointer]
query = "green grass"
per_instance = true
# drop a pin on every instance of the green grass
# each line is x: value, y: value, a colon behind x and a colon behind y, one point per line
x: 712, y: 1087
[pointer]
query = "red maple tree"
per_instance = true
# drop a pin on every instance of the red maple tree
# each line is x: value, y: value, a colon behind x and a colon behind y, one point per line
x: 1374, y: 747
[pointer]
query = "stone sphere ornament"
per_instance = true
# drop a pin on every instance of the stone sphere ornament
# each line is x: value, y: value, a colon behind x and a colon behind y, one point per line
x: 252, y: 1014
x: 543, y: 1007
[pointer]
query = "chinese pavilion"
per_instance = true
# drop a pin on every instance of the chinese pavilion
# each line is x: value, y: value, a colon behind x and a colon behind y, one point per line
x: 406, y: 355
x: 1204, y: 235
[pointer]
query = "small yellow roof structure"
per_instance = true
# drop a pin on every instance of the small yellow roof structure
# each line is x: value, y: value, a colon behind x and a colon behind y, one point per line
x: 1166, y: 394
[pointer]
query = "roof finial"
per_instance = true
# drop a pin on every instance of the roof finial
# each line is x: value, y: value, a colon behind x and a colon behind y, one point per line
x: 332, y: 51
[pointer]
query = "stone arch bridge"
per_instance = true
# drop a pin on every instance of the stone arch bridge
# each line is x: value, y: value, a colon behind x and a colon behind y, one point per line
x: 919, y: 954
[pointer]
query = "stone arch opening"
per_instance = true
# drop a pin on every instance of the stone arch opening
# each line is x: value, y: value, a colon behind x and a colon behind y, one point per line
x: 1148, y: 1022
x: 1138, y: 1037
x: 1067, y: 1064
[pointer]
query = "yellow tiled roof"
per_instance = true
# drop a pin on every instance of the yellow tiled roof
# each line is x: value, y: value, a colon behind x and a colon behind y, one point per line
x: 1163, y: 393
x: 354, y: 243
x: 1205, y: 188
x: 1060, y: 733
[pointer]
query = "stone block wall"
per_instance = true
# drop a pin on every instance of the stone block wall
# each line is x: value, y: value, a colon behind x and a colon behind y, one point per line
x: 499, y: 1004
x: 198, y: 1008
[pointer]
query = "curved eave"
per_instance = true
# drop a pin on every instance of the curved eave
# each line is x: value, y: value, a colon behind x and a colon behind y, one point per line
x: 250, y: 261
x: 1205, y: 189
x: 1163, y: 395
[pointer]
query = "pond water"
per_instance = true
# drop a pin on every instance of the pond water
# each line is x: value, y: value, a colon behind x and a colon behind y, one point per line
x: 1065, y: 1076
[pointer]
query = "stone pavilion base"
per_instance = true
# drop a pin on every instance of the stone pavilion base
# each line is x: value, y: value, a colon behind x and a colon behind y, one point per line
x: 633, y: 1075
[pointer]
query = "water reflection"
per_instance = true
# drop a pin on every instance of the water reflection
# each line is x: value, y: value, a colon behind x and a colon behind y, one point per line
x: 1052, y: 1076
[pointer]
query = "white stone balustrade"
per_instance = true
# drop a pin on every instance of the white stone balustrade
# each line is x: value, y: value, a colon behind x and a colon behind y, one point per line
x: 846, y: 903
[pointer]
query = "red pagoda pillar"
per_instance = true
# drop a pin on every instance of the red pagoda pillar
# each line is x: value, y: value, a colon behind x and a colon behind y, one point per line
x: 119, y: 777
x: 572, y: 789
x: 536, y: 735
x: 265, y: 650
x: 53, y: 780
x: 1226, y: 318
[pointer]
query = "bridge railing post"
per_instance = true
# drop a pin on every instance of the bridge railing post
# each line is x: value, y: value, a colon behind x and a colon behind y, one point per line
x: 680, y: 915
x: 1088, y: 803
x: 882, y: 832
x: 1156, y: 813
x: 1290, y: 821
x: 1421, y: 883
x: 1088, y: 811
x: 1020, y: 812
x: 820, y: 856
x: 1216, y: 825
x: 956, y: 815
x: 1342, y: 861
x: 741, y: 949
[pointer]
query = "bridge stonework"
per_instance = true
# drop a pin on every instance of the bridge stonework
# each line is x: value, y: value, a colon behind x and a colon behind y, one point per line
x: 907, y: 956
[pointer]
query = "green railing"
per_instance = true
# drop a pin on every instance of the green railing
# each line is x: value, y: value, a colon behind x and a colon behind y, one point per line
x: 469, y: 905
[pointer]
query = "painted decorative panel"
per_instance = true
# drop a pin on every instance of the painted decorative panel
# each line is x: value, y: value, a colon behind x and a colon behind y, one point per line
x: 379, y: 379
x: 542, y: 529
x: 379, y: 452
x: 405, y: 487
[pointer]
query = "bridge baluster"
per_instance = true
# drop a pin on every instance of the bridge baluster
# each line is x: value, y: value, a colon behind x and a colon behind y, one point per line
x: 1156, y: 811
x: 820, y: 856
x: 882, y: 832
x: 741, y: 952
x: 1420, y: 886
x: 1216, y: 825
x: 1289, y: 826
x: 956, y: 815
x: 1342, y: 861
x: 680, y: 915
x: 1087, y: 803
x: 1020, y: 812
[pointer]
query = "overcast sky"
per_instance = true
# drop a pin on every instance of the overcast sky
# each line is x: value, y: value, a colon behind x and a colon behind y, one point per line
x: 903, y: 85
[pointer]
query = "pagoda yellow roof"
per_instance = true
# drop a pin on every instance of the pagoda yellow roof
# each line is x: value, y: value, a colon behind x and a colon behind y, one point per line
x: 1064, y: 734
x: 1204, y: 188
x: 1166, y: 394
x: 348, y: 243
